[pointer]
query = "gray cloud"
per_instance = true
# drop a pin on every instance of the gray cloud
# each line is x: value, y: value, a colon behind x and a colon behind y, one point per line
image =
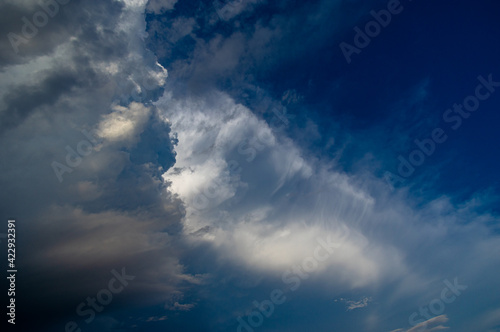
x: 111, y: 209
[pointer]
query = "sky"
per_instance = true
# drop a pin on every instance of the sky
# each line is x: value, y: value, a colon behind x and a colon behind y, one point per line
x: 251, y: 165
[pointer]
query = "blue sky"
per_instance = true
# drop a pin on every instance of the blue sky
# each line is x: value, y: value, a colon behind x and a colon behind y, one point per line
x: 227, y: 166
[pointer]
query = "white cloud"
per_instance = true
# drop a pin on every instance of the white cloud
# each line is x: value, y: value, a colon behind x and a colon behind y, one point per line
x: 430, y: 325
x: 230, y: 164
x: 124, y: 124
x: 352, y: 305
x: 433, y: 324
x: 262, y: 203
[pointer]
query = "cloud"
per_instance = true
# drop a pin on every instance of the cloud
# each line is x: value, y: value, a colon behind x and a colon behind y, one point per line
x: 124, y: 124
x: 433, y: 324
x: 87, y: 70
x: 230, y: 165
x: 160, y: 6
x: 260, y: 201
x: 351, y: 305
x: 198, y: 189
x: 227, y: 10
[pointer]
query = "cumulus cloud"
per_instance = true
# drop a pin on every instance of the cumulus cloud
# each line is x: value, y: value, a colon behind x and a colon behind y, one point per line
x: 124, y: 124
x: 229, y: 167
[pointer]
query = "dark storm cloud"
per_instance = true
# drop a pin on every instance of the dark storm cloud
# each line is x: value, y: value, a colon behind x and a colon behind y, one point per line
x: 64, y: 21
x: 23, y: 100
x: 77, y: 85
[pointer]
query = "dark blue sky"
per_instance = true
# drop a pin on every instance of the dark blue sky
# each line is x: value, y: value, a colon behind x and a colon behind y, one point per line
x: 446, y: 47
